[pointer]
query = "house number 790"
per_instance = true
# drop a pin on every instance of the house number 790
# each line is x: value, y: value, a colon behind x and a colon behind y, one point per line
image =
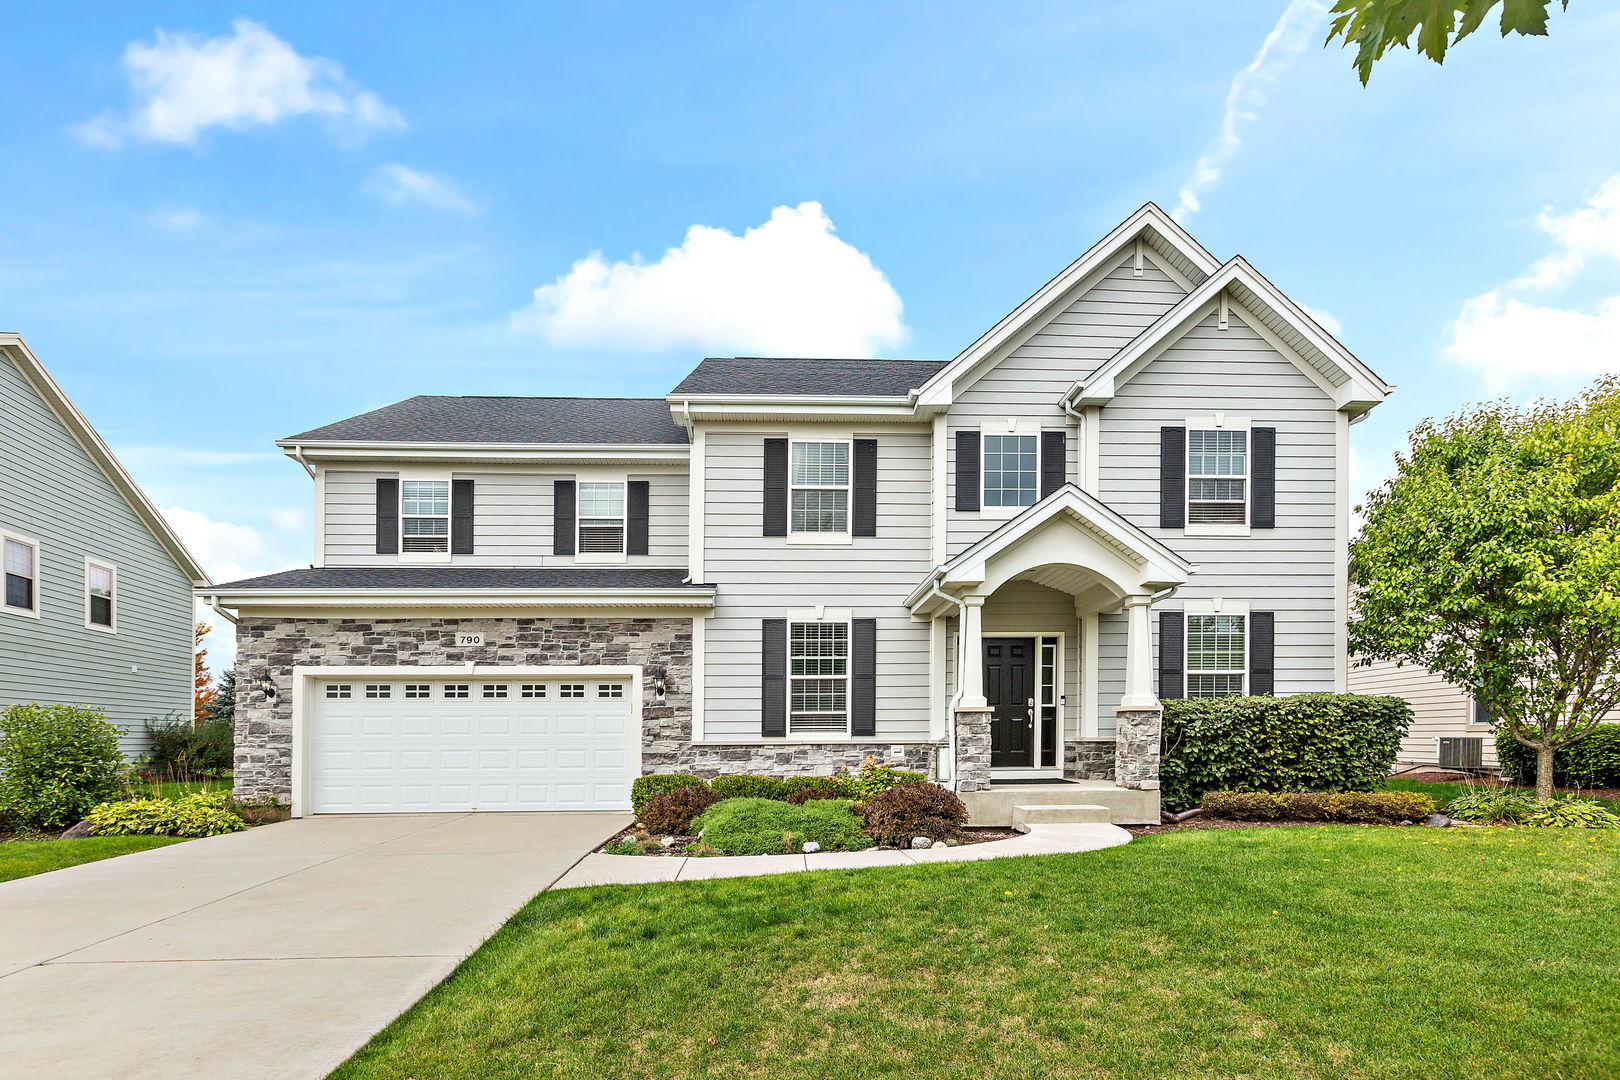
x: 469, y: 639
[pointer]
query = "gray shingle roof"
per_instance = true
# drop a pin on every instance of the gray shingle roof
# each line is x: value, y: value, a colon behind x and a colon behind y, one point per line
x: 429, y: 418
x: 779, y: 375
x: 464, y: 577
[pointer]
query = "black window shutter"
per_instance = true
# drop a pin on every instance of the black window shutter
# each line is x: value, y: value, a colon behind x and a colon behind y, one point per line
x: 1172, y: 654
x: 967, y: 470
x: 1173, y: 478
x: 388, y: 517
x: 773, y: 672
x: 638, y: 501
x: 1263, y: 477
x: 863, y: 514
x: 1054, y: 461
x: 863, y: 677
x: 461, y: 517
x: 776, y: 484
x: 562, y: 517
x: 1262, y: 653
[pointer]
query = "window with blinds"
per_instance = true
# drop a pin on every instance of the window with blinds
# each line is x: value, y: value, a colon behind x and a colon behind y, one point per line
x: 1217, y: 477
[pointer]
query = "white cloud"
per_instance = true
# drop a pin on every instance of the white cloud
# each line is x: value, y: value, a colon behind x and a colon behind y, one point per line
x: 401, y: 185
x: 177, y: 219
x: 182, y: 84
x: 1510, y: 341
x: 1324, y: 319
x: 787, y: 287
x: 228, y: 552
x: 1295, y: 29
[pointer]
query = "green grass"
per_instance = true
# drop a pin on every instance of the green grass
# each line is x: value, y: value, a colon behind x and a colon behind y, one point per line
x: 176, y: 788
x: 1331, y: 952
x: 1444, y: 793
x: 25, y: 858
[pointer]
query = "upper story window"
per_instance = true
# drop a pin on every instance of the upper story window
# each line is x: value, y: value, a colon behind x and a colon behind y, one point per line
x: 1217, y: 655
x: 1217, y: 477
x: 818, y: 487
x: 1011, y: 470
x: 424, y: 515
x: 99, y: 581
x: 818, y: 677
x: 601, y: 518
x: 21, y: 560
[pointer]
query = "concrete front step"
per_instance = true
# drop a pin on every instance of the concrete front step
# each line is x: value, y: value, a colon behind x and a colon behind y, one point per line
x: 1023, y: 816
x: 993, y: 806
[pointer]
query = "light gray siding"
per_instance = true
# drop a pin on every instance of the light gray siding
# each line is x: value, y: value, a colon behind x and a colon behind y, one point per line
x: 51, y: 490
x: 1030, y: 381
x: 1291, y: 569
x: 1439, y: 709
x: 512, y: 519
x: 761, y: 577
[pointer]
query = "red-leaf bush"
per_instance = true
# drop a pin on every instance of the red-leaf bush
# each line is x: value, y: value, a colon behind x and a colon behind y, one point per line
x: 900, y: 813
x: 671, y: 812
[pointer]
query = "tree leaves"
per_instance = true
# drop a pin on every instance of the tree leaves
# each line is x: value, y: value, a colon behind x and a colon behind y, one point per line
x: 1376, y: 26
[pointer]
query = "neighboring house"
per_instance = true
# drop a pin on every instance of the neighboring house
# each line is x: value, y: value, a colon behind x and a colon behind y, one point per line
x: 990, y: 568
x: 97, y: 607
x: 1449, y: 728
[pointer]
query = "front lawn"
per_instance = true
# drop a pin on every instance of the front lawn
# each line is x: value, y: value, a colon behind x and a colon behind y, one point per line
x: 24, y: 858
x: 1324, y: 951
x: 1442, y: 794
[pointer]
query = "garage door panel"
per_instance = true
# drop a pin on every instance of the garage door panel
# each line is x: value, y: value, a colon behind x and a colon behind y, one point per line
x: 380, y: 751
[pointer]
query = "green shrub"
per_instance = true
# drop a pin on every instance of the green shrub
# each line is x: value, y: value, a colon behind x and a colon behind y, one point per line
x: 837, y: 785
x: 645, y: 787
x: 181, y: 748
x: 811, y: 794
x: 671, y: 812
x: 872, y: 778
x: 1593, y: 762
x: 1380, y: 807
x: 1573, y: 814
x: 750, y: 787
x: 1491, y: 805
x: 56, y: 762
x: 897, y: 815
x: 770, y: 827
x: 1308, y: 742
x: 202, y: 814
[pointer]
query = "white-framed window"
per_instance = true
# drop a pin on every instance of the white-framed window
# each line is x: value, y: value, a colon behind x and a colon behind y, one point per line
x: 601, y: 517
x: 818, y: 488
x: 1010, y: 471
x: 100, y: 596
x: 534, y: 690
x: 424, y: 515
x: 818, y: 677
x: 339, y: 690
x: 494, y: 690
x: 418, y: 690
x: 1217, y: 655
x: 457, y: 690
x: 20, y: 557
x: 1217, y: 477
x: 610, y: 690
x: 571, y: 690
x: 379, y: 690
x: 1479, y: 713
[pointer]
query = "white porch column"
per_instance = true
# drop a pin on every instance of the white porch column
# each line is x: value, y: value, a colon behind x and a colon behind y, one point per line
x: 972, y: 653
x: 1139, y: 692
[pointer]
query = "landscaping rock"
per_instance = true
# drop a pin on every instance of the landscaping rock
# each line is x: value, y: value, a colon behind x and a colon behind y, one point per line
x: 77, y: 832
x: 1438, y: 821
x: 938, y: 843
x: 920, y: 842
x: 811, y: 847
x: 667, y: 842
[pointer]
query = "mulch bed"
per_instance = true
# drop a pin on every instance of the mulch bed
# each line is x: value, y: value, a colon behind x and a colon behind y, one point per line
x: 964, y: 837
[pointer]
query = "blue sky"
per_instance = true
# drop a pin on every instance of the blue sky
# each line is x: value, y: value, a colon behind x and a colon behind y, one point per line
x: 221, y: 227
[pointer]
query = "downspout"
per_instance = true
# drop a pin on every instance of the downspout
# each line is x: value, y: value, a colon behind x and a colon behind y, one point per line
x: 298, y: 456
x: 213, y: 602
x: 961, y: 659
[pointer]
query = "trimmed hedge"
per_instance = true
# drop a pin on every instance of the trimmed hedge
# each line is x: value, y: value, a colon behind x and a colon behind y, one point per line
x: 645, y: 787
x: 769, y: 827
x: 748, y: 786
x: 1594, y: 762
x: 835, y: 784
x: 1308, y: 742
x: 1382, y: 807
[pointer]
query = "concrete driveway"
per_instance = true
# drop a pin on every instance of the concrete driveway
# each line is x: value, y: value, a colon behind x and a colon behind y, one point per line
x: 273, y: 953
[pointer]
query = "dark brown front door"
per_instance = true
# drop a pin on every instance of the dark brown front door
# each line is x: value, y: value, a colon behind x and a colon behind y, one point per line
x: 1009, y: 686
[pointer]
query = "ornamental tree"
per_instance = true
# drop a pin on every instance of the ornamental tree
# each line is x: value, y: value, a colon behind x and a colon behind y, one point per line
x: 1492, y: 558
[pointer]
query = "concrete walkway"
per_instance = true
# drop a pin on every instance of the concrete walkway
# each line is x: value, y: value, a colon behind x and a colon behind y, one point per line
x: 600, y: 869
x: 273, y: 953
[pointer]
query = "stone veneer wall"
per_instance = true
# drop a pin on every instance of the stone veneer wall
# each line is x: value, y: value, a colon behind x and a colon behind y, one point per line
x: 274, y: 646
x: 972, y: 749
x: 1136, y: 748
x: 797, y: 759
x: 1089, y: 759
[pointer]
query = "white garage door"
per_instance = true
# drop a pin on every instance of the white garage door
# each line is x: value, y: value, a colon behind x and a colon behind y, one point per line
x: 433, y: 744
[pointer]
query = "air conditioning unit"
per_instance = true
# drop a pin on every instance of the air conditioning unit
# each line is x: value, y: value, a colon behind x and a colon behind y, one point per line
x: 1462, y: 753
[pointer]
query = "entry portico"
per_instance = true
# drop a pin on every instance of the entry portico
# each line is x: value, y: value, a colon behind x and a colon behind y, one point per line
x: 1015, y: 605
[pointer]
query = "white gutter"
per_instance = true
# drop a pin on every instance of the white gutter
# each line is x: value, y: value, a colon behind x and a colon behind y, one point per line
x: 298, y: 456
x: 213, y: 602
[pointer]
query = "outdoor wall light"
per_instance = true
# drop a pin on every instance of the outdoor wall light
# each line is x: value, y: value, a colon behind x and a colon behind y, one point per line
x: 267, y: 687
x: 660, y: 688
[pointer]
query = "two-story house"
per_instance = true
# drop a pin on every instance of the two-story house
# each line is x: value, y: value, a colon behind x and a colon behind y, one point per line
x: 991, y: 568
x: 97, y: 604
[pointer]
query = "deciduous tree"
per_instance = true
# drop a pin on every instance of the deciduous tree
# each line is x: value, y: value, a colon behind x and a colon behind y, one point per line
x: 1376, y: 26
